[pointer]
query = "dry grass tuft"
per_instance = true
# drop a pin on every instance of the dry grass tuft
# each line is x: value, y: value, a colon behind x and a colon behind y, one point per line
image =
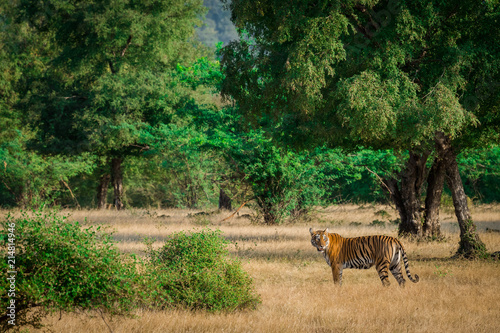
x: 295, y: 283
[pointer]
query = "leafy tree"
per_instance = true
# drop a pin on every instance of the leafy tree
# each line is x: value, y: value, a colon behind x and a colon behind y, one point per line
x: 186, y: 176
x: 30, y: 180
x: 191, y: 174
x: 481, y: 170
x: 282, y: 182
x: 380, y: 74
x: 365, y: 171
x: 109, y: 77
x: 27, y: 178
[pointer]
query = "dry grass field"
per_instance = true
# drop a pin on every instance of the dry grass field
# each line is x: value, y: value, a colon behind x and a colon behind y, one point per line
x: 295, y: 283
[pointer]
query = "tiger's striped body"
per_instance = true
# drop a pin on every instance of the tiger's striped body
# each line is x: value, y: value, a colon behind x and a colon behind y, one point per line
x: 383, y: 252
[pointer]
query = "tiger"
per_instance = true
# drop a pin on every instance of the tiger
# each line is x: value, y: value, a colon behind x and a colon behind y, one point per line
x: 385, y: 252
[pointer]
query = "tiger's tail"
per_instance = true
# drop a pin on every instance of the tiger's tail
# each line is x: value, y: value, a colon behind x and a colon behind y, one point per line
x: 407, y: 267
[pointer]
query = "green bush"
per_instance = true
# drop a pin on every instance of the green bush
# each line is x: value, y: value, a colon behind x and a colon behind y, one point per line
x: 195, y: 271
x: 31, y: 180
x: 62, y: 267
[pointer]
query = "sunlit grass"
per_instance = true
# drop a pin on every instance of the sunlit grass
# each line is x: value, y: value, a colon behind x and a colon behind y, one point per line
x: 295, y: 283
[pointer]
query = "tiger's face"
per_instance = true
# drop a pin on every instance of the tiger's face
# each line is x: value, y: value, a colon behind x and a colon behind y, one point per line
x: 319, y: 239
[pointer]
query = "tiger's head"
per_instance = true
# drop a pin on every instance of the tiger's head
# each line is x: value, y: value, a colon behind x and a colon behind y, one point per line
x: 319, y: 239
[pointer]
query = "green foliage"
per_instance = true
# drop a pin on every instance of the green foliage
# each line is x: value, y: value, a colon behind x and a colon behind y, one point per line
x: 31, y: 180
x: 195, y: 271
x: 109, y: 72
x: 281, y: 181
x: 63, y: 267
x: 380, y: 74
x: 481, y: 172
x: 382, y: 213
x: 201, y: 72
x: 360, y: 178
x: 186, y: 175
x: 377, y: 223
x: 99, y: 80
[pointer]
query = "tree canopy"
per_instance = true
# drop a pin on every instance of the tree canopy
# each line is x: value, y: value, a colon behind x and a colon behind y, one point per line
x: 373, y: 73
x: 101, y: 84
x: 107, y: 72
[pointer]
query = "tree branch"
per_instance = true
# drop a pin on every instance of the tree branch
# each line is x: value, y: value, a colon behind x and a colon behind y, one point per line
x: 129, y: 41
x: 243, y: 204
x: 71, y: 192
x: 381, y: 180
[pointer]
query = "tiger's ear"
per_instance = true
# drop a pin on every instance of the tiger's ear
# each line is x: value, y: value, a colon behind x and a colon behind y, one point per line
x: 311, y: 231
x: 326, y: 231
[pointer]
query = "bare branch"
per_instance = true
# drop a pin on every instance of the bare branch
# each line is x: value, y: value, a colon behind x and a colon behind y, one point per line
x: 129, y: 41
x: 379, y: 178
x: 71, y: 192
x: 243, y: 204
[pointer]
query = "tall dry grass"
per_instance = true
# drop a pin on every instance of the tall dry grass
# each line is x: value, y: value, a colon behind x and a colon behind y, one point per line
x: 295, y: 283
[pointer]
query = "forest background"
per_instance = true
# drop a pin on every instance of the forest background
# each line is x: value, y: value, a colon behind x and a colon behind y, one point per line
x: 89, y: 121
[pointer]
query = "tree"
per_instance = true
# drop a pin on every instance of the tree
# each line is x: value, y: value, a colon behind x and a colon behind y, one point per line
x: 380, y: 74
x: 109, y: 77
x: 282, y: 183
x: 22, y: 54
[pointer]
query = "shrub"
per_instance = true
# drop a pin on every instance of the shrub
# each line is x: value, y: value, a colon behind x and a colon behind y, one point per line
x: 62, y: 267
x: 196, y: 271
x: 377, y: 223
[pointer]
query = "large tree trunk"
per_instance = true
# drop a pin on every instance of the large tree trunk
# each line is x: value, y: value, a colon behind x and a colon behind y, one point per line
x: 117, y: 175
x: 470, y: 245
x: 102, y: 190
x: 431, y: 228
x: 224, y: 200
x: 407, y: 197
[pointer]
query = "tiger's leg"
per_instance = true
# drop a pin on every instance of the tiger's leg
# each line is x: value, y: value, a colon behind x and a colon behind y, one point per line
x: 396, y: 271
x: 383, y: 272
x: 337, y: 274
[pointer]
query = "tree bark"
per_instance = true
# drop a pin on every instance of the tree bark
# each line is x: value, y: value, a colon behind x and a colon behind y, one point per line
x: 102, y: 190
x: 411, y: 190
x: 117, y: 175
x: 224, y: 200
x: 470, y: 245
x: 431, y: 228
x: 407, y: 196
x: 391, y: 185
